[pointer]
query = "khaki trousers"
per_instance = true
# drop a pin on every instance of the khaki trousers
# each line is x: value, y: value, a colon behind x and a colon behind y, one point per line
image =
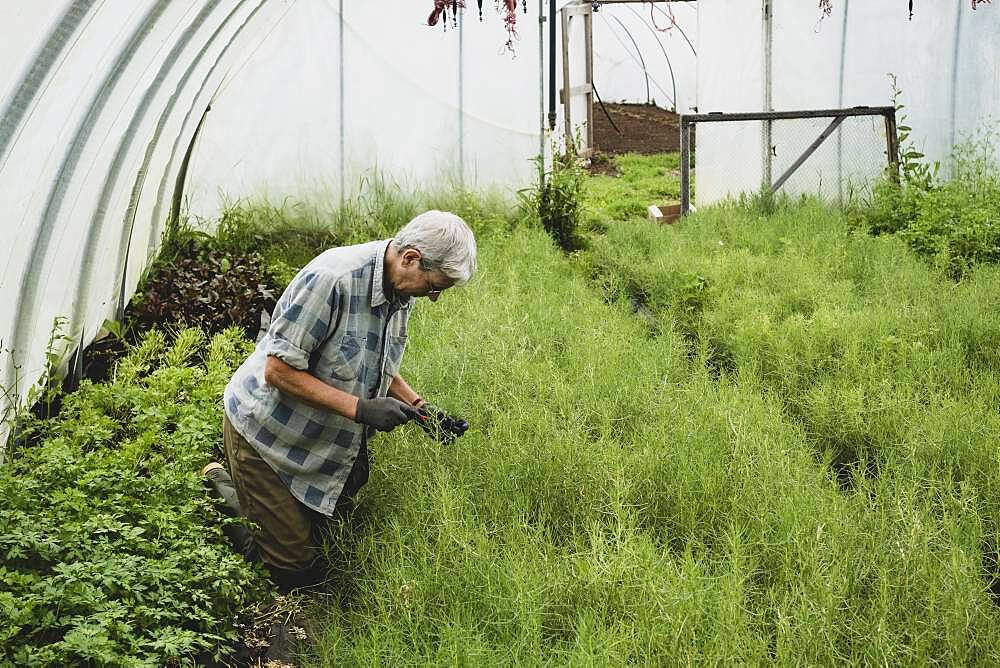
x: 286, y: 536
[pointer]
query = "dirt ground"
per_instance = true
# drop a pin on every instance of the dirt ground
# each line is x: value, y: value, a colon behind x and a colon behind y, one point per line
x: 644, y: 129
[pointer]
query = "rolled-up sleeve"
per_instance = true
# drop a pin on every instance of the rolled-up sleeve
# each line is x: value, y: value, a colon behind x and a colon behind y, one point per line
x: 303, y: 318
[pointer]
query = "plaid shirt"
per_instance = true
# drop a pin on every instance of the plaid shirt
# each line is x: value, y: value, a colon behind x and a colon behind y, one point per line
x: 335, y: 322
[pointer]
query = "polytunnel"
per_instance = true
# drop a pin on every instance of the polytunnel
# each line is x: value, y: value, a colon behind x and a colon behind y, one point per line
x: 116, y: 116
x: 241, y: 426
x: 785, y: 55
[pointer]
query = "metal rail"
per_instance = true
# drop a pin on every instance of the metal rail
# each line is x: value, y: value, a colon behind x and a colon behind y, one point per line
x: 776, y: 115
x: 688, y: 121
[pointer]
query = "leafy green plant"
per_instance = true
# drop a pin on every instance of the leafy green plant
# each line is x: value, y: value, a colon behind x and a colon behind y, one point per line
x: 116, y: 328
x: 110, y: 553
x: 950, y: 222
x: 43, y: 399
x: 557, y: 199
x: 47, y: 389
x: 11, y: 406
x: 916, y: 171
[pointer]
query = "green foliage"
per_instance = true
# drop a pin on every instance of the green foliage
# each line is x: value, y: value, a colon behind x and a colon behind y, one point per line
x: 797, y: 465
x: 116, y: 328
x: 952, y: 223
x: 110, y: 552
x: 958, y: 228
x: 41, y: 399
x: 643, y: 180
x: 557, y: 200
x: 916, y: 172
x: 891, y: 207
x: 615, y: 503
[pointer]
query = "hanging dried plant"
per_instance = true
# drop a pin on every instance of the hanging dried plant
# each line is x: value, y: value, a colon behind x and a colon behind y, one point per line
x: 509, y: 9
x: 441, y: 7
x: 826, y: 7
x: 506, y: 8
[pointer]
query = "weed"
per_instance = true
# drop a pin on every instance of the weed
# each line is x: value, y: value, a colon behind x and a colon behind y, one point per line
x: 952, y: 223
x: 557, y: 200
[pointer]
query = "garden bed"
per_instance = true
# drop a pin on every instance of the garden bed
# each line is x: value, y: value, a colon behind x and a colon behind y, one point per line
x: 641, y: 128
x: 788, y: 458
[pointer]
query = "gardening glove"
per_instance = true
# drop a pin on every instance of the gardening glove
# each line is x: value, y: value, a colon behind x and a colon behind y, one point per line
x: 384, y: 413
x: 439, y: 425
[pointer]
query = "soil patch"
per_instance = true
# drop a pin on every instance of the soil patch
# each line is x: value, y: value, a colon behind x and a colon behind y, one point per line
x: 644, y: 128
x: 601, y: 163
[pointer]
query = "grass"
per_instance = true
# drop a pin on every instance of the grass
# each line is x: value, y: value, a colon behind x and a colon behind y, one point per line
x: 642, y: 180
x: 862, y: 342
x: 619, y: 500
x: 790, y: 460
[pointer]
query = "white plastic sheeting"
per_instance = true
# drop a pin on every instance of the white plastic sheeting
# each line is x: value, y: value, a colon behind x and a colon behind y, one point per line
x: 88, y: 114
x: 375, y: 89
x: 102, y: 102
x: 640, y: 56
x: 945, y: 60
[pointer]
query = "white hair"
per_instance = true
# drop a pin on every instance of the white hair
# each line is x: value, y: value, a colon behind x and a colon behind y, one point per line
x: 445, y: 242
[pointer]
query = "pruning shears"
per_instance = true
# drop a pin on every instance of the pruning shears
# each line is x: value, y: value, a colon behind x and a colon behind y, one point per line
x: 439, y: 425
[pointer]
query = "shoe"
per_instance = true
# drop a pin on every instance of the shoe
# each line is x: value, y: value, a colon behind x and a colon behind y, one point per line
x: 283, y: 650
x: 219, y: 484
x: 209, y: 467
x: 216, y: 479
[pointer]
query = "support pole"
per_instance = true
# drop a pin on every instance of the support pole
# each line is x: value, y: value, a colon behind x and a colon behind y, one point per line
x: 541, y: 94
x: 768, y: 102
x: 685, y: 167
x: 567, y: 121
x: 552, y: 64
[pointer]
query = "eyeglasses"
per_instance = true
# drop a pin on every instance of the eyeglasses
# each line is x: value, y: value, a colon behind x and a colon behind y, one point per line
x: 433, y: 290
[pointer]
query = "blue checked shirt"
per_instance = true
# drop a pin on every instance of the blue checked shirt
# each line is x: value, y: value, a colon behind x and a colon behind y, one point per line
x: 335, y: 322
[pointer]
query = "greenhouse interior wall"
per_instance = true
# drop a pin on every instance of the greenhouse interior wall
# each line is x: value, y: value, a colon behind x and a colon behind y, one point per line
x: 115, y: 113
x: 641, y: 56
x: 943, y: 60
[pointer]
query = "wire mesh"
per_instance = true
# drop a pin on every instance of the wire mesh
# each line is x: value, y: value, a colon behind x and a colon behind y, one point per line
x: 733, y: 157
